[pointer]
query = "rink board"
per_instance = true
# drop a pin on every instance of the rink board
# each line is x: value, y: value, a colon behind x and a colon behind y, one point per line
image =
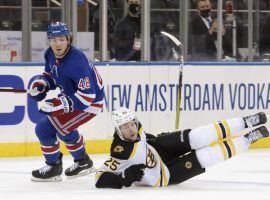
x: 210, y: 92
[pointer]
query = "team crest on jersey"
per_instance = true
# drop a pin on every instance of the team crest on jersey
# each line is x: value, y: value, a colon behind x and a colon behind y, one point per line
x: 150, y: 159
x: 118, y: 149
x: 188, y: 165
x: 54, y: 70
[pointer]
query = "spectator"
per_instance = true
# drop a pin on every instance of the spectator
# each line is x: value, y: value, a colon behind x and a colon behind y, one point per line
x: 264, y: 41
x: 203, y: 41
x: 126, y: 38
x: 162, y: 49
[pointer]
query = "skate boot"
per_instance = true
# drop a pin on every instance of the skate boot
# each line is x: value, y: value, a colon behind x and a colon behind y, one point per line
x: 49, y: 173
x: 80, y: 168
x: 257, y: 134
x: 255, y: 120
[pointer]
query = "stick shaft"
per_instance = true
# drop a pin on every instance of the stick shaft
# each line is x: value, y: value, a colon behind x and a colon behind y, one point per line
x: 179, y: 94
x: 181, y: 61
x: 13, y: 90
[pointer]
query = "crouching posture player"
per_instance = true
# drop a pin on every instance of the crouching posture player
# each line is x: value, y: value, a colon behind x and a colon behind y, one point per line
x: 80, y: 100
x: 144, y: 160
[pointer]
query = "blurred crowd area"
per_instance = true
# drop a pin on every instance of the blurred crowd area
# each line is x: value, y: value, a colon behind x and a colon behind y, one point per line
x: 164, y: 16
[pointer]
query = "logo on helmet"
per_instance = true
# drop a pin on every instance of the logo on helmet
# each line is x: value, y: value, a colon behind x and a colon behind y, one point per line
x: 120, y: 117
x: 57, y: 29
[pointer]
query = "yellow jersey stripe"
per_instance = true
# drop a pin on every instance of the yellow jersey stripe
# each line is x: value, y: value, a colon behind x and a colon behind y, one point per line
x: 98, y: 174
x: 140, y: 130
x: 158, y: 183
x: 165, y: 181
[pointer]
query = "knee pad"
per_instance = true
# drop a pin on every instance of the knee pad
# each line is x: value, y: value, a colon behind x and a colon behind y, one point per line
x: 184, y: 168
x: 70, y: 138
x: 44, y: 129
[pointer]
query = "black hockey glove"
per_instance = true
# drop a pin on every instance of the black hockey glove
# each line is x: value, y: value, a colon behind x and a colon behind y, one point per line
x: 132, y: 174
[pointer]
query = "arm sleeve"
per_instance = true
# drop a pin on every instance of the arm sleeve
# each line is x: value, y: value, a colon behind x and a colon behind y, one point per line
x: 109, y: 174
x: 149, y: 136
x: 85, y: 81
x: 108, y: 180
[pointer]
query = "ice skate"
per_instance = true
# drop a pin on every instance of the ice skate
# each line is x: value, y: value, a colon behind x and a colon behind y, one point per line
x: 255, y: 120
x: 80, y: 168
x: 48, y: 173
x: 257, y: 134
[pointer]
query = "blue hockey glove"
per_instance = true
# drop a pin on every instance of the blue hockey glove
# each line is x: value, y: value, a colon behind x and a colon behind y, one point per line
x: 38, y: 89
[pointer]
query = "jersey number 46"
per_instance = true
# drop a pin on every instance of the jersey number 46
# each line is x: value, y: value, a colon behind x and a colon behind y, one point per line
x: 84, y: 83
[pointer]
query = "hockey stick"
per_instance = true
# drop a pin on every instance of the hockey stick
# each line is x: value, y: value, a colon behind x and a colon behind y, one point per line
x: 181, y: 60
x: 14, y: 90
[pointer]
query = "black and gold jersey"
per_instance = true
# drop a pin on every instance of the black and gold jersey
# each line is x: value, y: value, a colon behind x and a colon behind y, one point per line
x: 125, y: 154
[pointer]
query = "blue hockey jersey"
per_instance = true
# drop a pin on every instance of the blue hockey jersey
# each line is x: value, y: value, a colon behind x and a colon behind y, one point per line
x: 77, y: 78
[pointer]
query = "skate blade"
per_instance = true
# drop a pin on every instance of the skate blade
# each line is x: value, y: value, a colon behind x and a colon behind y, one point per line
x: 53, y: 179
x: 83, y: 173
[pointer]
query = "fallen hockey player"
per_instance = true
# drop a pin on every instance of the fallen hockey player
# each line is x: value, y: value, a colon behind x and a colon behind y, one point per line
x: 141, y: 159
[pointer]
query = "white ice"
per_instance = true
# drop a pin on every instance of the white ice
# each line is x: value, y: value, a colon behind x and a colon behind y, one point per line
x: 244, y: 177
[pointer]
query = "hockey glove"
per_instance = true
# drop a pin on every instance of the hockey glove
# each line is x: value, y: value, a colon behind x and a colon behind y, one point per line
x: 38, y: 89
x: 132, y: 174
x: 57, y: 106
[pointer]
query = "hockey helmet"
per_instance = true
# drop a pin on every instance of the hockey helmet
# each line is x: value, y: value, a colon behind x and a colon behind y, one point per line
x: 121, y: 116
x: 57, y: 29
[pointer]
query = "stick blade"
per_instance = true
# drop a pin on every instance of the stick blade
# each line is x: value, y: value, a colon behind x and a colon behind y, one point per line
x: 174, y: 39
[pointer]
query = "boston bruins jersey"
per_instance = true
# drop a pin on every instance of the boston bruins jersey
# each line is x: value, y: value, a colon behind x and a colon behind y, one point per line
x: 125, y: 154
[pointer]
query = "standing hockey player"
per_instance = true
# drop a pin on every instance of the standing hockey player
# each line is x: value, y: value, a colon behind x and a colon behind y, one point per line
x: 80, y: 100
x: 145, y: 160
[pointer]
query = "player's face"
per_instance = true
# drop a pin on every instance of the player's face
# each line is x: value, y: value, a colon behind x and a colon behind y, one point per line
x: 59, y: 45
x: 134, y: 2
x: 129, y: 130
x: 204, y: 5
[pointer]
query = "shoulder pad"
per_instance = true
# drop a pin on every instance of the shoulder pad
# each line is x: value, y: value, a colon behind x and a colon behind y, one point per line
x: 121, y: 149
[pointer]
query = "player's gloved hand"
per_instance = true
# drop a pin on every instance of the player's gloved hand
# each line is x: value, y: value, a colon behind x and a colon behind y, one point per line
x: 132, y: 174
x: 38, y: 89
x: 57, y: 106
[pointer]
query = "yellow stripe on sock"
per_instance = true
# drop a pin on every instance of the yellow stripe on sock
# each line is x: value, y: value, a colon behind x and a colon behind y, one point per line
x: 227, y: 128
x: 232, y: 147
x: 218, y: 131
x: 224, y: 151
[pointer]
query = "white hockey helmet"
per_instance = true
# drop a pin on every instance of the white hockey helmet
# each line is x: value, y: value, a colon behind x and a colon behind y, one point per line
x: 121, y: 116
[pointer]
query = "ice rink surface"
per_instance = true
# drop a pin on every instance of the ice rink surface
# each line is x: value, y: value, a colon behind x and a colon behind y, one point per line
x: 244, y: 177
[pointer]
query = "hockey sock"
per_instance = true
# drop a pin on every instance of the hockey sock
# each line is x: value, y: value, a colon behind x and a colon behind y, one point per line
x: 204, y: 135
x: 51, y: 152
x: 209, y: 156
x: 77, y: 149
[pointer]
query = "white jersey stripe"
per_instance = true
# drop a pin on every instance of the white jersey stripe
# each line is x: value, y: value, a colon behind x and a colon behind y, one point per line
x: 81, y: 99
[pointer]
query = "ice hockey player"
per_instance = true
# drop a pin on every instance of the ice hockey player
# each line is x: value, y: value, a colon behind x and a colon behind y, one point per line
x: 80, y: 99
x: 140, y: 159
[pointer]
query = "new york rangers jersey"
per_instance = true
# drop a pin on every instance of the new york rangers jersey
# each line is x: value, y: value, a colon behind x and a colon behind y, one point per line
x: 125, y: 154
x: 77, y: 78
